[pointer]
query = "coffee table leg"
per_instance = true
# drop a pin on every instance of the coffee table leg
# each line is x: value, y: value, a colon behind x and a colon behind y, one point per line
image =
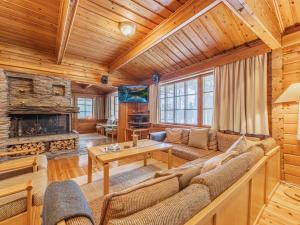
x: 106, y: 178
x: 170, y: 159
x: 90, y: 169
x: 145, y: 159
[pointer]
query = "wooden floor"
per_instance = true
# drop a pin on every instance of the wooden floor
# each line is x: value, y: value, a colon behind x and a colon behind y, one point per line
x: 282, y: 210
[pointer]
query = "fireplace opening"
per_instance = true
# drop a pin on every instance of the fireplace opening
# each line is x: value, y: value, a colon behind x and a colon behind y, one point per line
x: 38, y: 125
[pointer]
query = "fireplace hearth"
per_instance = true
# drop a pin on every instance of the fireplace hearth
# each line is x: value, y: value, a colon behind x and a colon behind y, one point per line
x: 31, y: 125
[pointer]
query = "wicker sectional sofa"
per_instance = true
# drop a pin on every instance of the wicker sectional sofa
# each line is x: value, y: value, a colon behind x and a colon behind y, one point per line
x: 180, y: 195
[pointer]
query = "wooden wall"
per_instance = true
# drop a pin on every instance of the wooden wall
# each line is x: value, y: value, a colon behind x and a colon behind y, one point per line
x: 84, y: 126
x: 286, y: 71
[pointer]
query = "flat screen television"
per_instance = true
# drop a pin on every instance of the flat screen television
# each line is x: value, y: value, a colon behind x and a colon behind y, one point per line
x: 130, y: 93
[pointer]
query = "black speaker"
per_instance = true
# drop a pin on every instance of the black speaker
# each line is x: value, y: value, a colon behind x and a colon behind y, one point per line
x: 155, y: 78
x: 104, y: 79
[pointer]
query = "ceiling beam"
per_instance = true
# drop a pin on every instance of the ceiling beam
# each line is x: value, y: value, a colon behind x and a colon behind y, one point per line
x: 67, y: 12
x: 187, y: 13
x: 259, y: 17
x: 291, y: 39
x: 242, y: 52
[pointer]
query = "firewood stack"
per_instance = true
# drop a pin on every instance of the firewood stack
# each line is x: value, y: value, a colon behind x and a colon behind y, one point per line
x: 30, y: 148
x: 62, y: 145
x: 4, y: 119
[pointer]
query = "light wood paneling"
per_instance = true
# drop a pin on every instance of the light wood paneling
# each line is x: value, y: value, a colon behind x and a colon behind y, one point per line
x: 30, y: 23
x: 213, y: 33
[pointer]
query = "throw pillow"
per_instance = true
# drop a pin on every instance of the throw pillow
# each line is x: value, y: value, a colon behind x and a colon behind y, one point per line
x: 186, y: 172
x: 217, y: 161
x: 241, y: 146
x: 199, y: 138
x: 185, y: 136
x: 139, y: 197
x: 173, y: 135
x: 226, y: 140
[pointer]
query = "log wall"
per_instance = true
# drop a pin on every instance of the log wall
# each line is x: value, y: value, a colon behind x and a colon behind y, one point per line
x: 286, y: 71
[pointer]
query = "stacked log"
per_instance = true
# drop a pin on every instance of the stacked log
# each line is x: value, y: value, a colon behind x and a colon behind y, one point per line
x: 62, y: 145
x: 4, y: 119
x: 28, y: 148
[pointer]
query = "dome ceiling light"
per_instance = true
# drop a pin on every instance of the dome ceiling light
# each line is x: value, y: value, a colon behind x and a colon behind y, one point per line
x: 127, y: 28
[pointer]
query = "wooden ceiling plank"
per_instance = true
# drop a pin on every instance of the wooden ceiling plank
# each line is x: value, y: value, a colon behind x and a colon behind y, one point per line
x: 259, y: 18
x: 291, y: 39
x: 155, y: 7
x: 67, y: 14
x: 140, y: 10
x: 183, y: 16
x: 172, y: 5
x: 177, y: 52
x: 278, y: 15
x: 171, y: 54
x: 127, y: 14
x: 245, y: 51
x: 166, y: 57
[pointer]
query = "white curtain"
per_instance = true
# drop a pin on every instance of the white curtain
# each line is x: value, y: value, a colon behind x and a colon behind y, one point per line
x: 99, y: 107
x: 241, y: 96
x: 107, y: 106
x: 153, y: 103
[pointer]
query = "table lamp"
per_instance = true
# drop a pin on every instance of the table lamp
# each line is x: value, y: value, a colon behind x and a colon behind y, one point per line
x: 291, y: 94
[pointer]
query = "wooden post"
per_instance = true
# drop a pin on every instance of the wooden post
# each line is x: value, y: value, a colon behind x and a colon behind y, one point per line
x: 145, y: 159
x: 170, y: 158
x: 29, y: 203
x: 106, y: 178
x: 90, y: 169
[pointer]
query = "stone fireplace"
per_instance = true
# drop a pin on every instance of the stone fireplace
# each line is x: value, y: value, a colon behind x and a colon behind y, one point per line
x: 31, y: 125
x: 38, y: 111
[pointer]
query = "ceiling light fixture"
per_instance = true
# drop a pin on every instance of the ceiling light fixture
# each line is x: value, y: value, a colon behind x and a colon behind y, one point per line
x: 127, y: 28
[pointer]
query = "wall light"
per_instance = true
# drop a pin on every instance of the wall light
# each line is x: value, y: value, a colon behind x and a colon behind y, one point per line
x: 127, y: 28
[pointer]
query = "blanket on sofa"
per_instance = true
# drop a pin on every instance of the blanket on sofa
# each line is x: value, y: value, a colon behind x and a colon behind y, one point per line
x: 62, y: 201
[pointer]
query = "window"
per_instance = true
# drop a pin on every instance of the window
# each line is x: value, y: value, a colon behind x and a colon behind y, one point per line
x: 114, y: 106
x: 86, y: 108
x: 207, y: 99
x: 179, y: 102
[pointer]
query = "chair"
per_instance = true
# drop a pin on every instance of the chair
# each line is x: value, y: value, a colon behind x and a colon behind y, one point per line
x: 113, y: 130
x: 22, y: 186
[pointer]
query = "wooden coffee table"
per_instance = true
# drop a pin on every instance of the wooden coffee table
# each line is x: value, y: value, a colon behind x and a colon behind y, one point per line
x: 144, y: 147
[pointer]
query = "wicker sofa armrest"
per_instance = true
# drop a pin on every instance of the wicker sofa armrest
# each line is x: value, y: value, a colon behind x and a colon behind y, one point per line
x: 158, y: 136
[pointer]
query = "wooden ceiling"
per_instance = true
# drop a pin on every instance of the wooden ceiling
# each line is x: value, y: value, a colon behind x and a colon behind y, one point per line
x: 171, y: 34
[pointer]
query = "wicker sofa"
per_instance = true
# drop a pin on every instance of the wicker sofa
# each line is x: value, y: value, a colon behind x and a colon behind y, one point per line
x: 22, y: 185
x: 178, y: 195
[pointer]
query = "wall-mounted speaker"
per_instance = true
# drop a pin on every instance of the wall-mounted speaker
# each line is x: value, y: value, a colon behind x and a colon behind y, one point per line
x: 104, y: 79
x: 155, y: 78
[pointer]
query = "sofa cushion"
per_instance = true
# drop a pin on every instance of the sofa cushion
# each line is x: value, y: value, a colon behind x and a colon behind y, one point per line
x: 222, y: 177
x: 268, y: 144
x: 186, y: 172
x: 226, y: 140
x: 139, y: 197
x: 176, y: 210
x: 13, y: 208
x: 254, y: 154
x: 188, y: 152
x: 216, y: 161
x: 173, y: 135
x: 185, y: 136
x: 199, y: 138
x: 212, y: 140
x: 81, y: 220
x: 39, y: 182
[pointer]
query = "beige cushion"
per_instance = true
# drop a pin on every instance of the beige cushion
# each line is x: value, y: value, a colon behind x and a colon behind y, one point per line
x: 188, y: 152
x: 39, y: 182
x: 186, y: 172
x: 173, y: 135
x: 253, y: 155
x: 139, y: 197
x: 217, y: 161
x: 81, y: 220
x: 268, y: 144
x: 212, y: 140
x: 176, y: 210
x: 222, y: 177
x: 199, y: 138
x: 185, y: 136
x: 13, y: 208
x: 226, y: 140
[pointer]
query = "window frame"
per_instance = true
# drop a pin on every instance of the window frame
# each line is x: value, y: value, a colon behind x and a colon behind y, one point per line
x: 85, y: 111
x: 200, y: 106
x: 114, y: 106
